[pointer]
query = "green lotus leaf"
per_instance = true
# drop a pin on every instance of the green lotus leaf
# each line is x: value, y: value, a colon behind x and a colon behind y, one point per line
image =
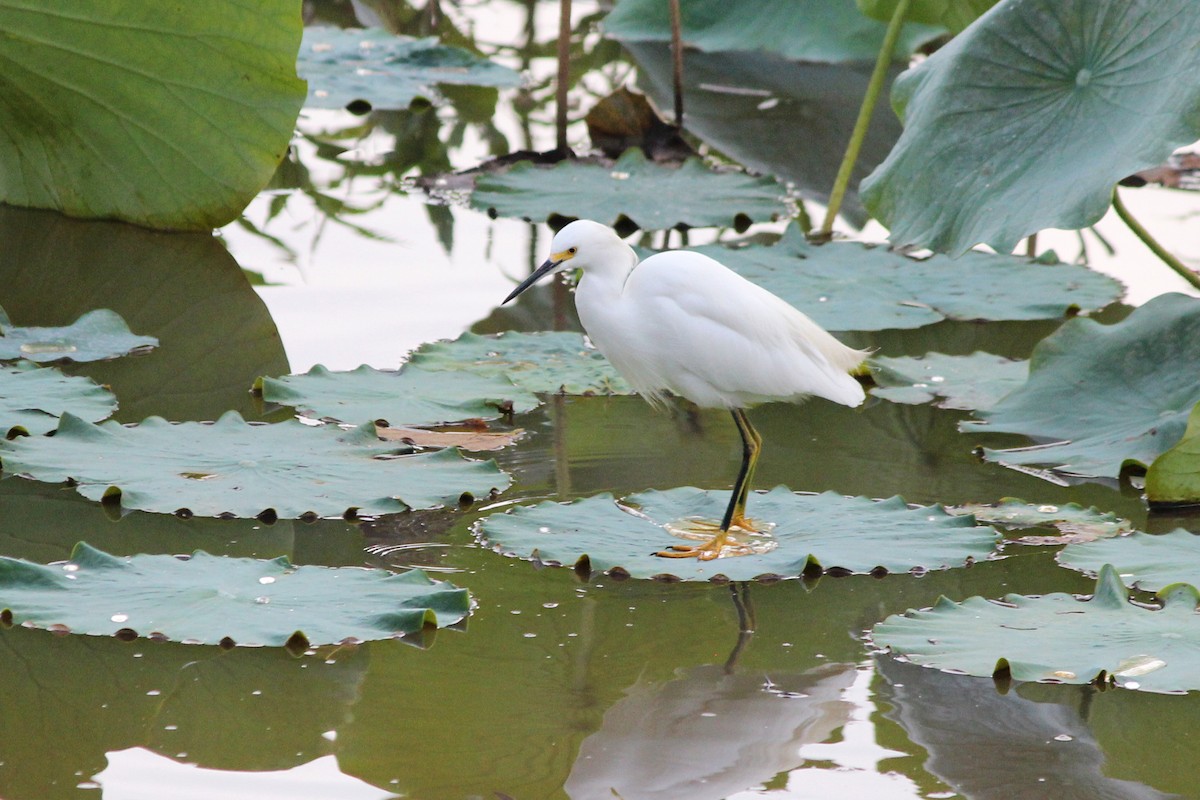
x: 1000, y: 124
x: 205, y: 599
x: 1143, y: 561
x: 801, y: 30
x: 170, y: 117
x: 95, y: 336
x: 954, y: 15
x: 1102, y: 396
x: 963, y: 382
x: 1058, y: 638
x: 813, y: 532
x: 1174, y: 477
x: 230, y: 467
x: 851, y: 286
x: 412, y: 396
x: 343, y: 65
x: 557, y: 362
x: 654, y: 196
x: 32, y: 398
x: 1076, y: 523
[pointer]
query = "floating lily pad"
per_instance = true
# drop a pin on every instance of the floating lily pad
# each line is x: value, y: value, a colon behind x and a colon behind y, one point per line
x: 1174, y: 477
x: 1103, y: 396
x: 286, y: 470
x: 557, y: 362
x: 206, y: 599
x: 32, y: 398
x: 813, y: 532
x: 802, y: 30
x: 95, y: 336
x: 343, y: 65
x: 1058, y: 638
x: 172, y: 118
x: 1142, y: 560
x: 963, y: 382
x: 655, y: 196
x: 412, y: 396
x: 1000, y: 124
x: 1075, y: 523
x: 851, y: 286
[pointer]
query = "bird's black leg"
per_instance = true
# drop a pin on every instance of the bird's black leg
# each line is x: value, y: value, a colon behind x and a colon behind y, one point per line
x: 735, y: 514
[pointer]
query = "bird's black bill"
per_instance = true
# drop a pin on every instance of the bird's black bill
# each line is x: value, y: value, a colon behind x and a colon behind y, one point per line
x: 545, y: 269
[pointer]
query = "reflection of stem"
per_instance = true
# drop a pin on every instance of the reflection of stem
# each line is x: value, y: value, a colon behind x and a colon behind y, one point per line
x: 1171, y: 261
x: 564, y: 72
x: 1031, y: 246
x: 740, y: 592
x: 677, y: 59
x: 859, y: 134
x: 562, y: 469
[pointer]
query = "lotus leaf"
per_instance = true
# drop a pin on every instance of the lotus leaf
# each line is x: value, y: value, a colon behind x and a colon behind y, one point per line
x: 1058, y: 638
x: 813, y: 532
x: 168, y: 117
x: 205, y: 599
x: 32, y: 398
x: 954, y: 15
x: 388, y: 71
x: 654, y: 196
x: 1076, y: 523
x: 1144, y: 561
x: 412, y: 396
x: 851, y: 286
x: 1000, y: 124
x: 95, y: 336
x: 559, y: 362
x: 964, y: 382
x: 1174, y: 477
x: 801, y: 30
x: 1103, y: 396
x: 287, y: 470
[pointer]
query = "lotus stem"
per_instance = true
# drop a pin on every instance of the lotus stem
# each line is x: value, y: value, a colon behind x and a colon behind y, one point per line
x: 1171, y: 261
x: 564, y: 73
x: 677, y: 59
x: 874, y: 89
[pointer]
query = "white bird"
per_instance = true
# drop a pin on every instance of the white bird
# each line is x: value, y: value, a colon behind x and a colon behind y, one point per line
x: 681, y: 322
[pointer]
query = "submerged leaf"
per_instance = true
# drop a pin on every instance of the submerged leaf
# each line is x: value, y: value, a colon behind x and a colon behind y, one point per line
x: 1000, y: 124
x: 343, y: 65
x: 206, y: 599
x: 412, y: 396
x: 1143, y: 560
x: 286, y: 470
x: 1075, y: 523
x: 1103, y: 396
x: 95, y: 336
x: 812, y: 532
x: 654, y: 196
x: 963, y: 382
x: 557, y: 362
x: 33, y: 398
x: 167, y: 116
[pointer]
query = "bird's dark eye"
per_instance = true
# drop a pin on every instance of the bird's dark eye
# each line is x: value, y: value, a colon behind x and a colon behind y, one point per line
x: 572, y: 250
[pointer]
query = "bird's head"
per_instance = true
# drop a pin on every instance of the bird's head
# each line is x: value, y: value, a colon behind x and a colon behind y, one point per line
x: 581, y: 244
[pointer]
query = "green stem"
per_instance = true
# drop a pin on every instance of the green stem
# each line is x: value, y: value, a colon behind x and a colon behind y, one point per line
x: 874, y: 88
x: 1171, y: 261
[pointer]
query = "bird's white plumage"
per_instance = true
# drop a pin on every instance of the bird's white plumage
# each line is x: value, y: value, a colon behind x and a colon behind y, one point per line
x: 681, y: 322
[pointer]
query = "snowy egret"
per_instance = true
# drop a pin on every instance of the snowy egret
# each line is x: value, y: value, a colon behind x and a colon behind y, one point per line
x: 683, y: 323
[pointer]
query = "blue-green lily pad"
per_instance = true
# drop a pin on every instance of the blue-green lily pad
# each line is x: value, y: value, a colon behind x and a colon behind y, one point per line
x: 1058, y: 638
x: 95, y: 336
x: 1000, y: 125
x: 1103, y: 396
x: 1143, y: 561
x: 207, y: 599
x: 412, y: 396
x: 230, y: 467
x: 1174, y: 477
x: 812, y: 533
x: 963, y: 382
x: 558, y: 362
x: 1074, y: 522
x: 343, y: 65
x: 32, y: 398
x: 654, y: 196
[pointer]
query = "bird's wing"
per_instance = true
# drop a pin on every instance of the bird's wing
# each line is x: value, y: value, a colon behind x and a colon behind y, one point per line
x: 719, y: 332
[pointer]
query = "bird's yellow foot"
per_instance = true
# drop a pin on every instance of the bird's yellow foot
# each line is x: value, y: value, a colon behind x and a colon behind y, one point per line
x: 743, y: 538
